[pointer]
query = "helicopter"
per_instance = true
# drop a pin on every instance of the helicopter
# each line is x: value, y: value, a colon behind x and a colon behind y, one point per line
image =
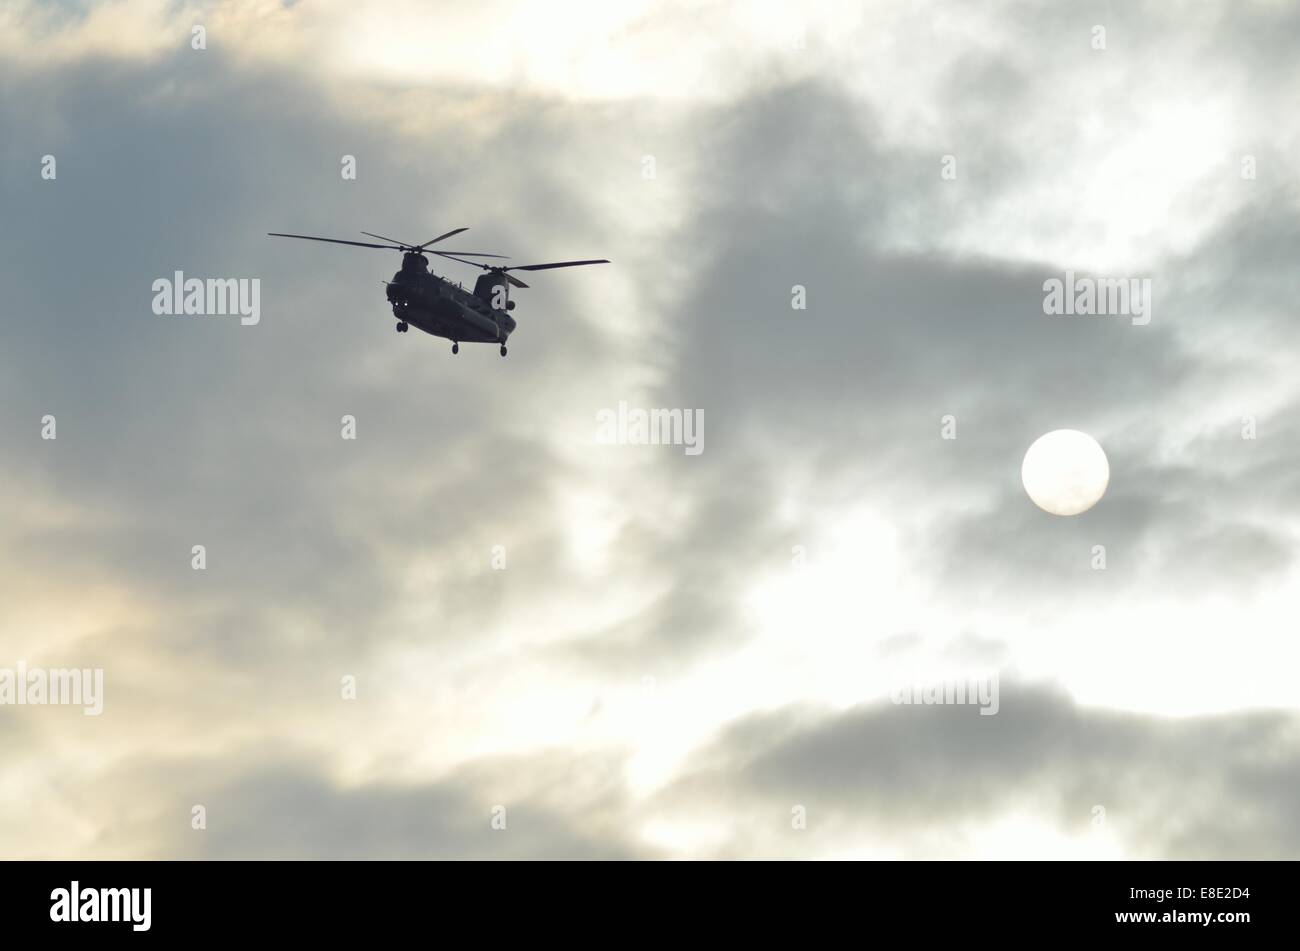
x: 444, y: 308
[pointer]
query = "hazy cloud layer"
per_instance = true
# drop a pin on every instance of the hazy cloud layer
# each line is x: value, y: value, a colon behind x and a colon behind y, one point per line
x: 680, y: 648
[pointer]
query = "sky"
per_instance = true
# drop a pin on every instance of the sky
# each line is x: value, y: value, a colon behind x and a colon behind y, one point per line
x: 478, y: 630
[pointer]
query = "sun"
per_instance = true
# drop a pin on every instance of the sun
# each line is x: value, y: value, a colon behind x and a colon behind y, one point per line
x: 1065, y: 472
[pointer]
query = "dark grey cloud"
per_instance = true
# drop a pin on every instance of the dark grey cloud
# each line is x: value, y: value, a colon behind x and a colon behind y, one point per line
x: 197, y: 431
x: 891, y: 341
x: 282, y: 806
x: 1197, y: 787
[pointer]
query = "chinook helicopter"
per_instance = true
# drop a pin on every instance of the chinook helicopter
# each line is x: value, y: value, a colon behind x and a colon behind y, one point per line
x: 441, y: 307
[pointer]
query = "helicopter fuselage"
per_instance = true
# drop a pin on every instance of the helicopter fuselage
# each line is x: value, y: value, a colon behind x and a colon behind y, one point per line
x: 446, y: 309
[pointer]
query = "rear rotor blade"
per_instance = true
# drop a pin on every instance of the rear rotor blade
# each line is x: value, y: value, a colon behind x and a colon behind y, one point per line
x: 487, y: 267
x: 547, y: 267
x: 358, y: 244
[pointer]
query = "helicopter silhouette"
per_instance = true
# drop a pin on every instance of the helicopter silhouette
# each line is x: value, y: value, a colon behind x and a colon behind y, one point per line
x: 441, y: 307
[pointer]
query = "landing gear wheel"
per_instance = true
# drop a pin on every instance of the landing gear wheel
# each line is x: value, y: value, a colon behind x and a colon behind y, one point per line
x: 503, y: 350
x: 401, y: 327
x: 455, y: 348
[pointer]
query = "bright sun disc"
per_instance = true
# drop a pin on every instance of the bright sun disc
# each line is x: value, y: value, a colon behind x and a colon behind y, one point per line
x: 1065, y: 472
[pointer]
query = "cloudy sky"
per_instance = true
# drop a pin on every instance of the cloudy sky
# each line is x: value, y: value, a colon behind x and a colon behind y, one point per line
x: 684, y: 655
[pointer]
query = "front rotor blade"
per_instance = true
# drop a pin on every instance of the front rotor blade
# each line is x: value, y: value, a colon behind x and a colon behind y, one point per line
x: 473, y: 254
x: 515, y: 281
x: 452, y: 255
x: 441, y: 236
x: 382, y: 238
x: 358, y: 244
x: 547, y: 267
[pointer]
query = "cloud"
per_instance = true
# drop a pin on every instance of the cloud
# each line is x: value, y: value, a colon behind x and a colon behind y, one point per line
x: 919, y: 781
x: 669, y: 631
